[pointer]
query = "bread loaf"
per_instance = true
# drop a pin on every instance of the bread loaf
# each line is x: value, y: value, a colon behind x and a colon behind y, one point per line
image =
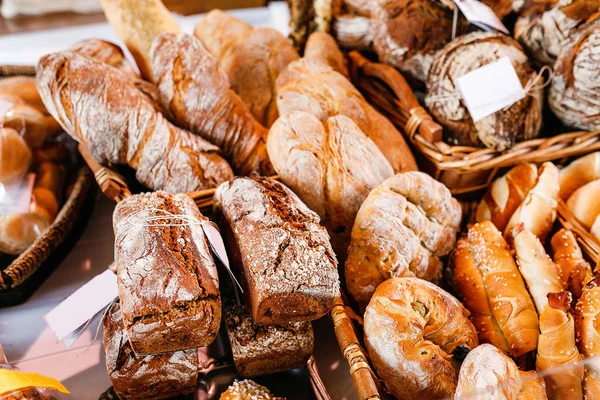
x: 157, y: 376
x: 138, y: 23
x: 505, y: 195
x: 251, y: 57
x: 193, y: 87
x: 314, y: 87
x: 19, y: 231
x: 99, y: 106
x: 413, y: 329
x: 168, y: 283
x: 581, y: 171
x: 533, y: 386
x: 538, y: 210
x: 557, y: 348
x: 500, y: 130
x: 331, y: 166
x: 588, y: 335
x: 575, y: 90
x: 402, y: 229
x: 288, y: 266
x: 584, y: 204
x: 567, y: 255
x: 266, y: 349
x: 15, y: 156
x: 322, y: 47
x: 493, y: 290
x: 247, y: 390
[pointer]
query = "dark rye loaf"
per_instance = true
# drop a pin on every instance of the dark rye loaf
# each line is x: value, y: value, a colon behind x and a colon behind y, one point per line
x: 288, y: 265
x: 168, y: 283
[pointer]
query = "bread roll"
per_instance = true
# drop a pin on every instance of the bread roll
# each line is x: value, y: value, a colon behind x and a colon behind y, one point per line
x: 567, y: 255
x: 541, y: 274
x: 402, y: 229
x: 247, y: 390
x: 413, y: 329
x: 125, y: 127
x: 168, y: 283
x: 595, y: 229
x: 506, y: 194
x: 331, y: 166
x: 538, y: 210
x: 138, y: 23
x: 288, y: 266
x: 584, y: 204
x: 575, y: 90
x: 533, y: 387
x: 322, y: 47
x: 500, y: 130
x: 15, y: 156
x: 581, y: 171
x: 24, y: 88
x: 587, y: 316
x: 557, y: 348
x: 493, y: 290
x: 311, y: 86
x: 19, y: 231
x: 195, y: 89
x: 251, y: 57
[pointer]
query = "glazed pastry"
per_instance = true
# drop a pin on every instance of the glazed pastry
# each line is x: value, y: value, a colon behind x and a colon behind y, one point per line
x: 322, y: 47
x: 247, y: 390
x: 584, y: 205
x: 567, y: 255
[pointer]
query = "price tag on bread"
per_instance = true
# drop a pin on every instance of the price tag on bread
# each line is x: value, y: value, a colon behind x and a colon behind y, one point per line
x: 490, y: 88
x: 479, y: 14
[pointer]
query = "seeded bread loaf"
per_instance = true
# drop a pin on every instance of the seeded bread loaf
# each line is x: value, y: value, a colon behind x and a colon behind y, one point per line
x: 266, y: 349
x: 168, y: 283
x: 157, y: 376
x: 288, y: 266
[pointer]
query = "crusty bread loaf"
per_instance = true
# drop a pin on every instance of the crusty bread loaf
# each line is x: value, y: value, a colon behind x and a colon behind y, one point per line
x: 288, y: 266
x: 584, y: 204
x: 578, y: 173
x: 168, y: 283
x: 105, y: 52
x: 157, y: 376
x: 251, y: 57
x: 587, y: 313
x: 402, y: 229
x: 500, y: 130
x: 557, y: 348
x: 138, y: 23
x: 15, y: 156
x: 331, y: 166
x: 99, y: 106
x: 506, y: 194
x: 266, y: 349
x: 193, y: 87
x: 314, y: 87
x: 574, y: 269
x: 538, y: 210
x: 322, y: 47
x: 413, y: 329
x: 493, y: 290
x: 247, y: 390
x: 534, y: 387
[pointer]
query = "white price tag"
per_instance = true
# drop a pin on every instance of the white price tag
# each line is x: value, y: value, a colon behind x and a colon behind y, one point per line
x: 490, y: 88
x: 481, y: 15
x: 15, y: 198
x: 83, y: 305
x: 217, y: 246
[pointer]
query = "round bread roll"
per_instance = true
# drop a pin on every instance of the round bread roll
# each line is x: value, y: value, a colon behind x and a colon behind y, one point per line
x: 15, y: 156
x: 413, y: 330
x: 402, y: 229
x: 578, y: 173
x: 575, y: 91
x: 24, y: 88
x: 247, y: 390
x: 502, y: 129
x: 18, y: 231
x: 584, y: 203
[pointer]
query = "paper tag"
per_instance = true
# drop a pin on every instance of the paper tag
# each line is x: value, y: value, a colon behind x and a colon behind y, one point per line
x: 218, y: 247
x: 14, y: 380
x: 15, y: 198
x: 481, y: 15
x: 490, y: 88
x: 82, y: 305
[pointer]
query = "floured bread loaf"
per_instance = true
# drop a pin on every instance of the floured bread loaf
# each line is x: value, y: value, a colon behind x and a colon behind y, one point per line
x: 502, y: 129
x: 574, y: 95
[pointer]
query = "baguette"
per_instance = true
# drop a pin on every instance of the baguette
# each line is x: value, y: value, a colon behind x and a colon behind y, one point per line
x: 124, y: 127
x: 581, y: 171
x: 538, y: 211
x: 567, y: 255
x: 595, y: 229
x: 106, y: 52
x: 494, y: 291
x: 193, y: 87
x: 506, y: 194
x: 587, y: 312
x: 541, y: 274
x: 584, y: 203
x: 138, y: 23
x: 322, y: 47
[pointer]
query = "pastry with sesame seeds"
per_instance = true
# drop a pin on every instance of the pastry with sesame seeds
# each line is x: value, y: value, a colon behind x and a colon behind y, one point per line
x: 588, y: 334
x: 574, y: 269
x: 248, y: 390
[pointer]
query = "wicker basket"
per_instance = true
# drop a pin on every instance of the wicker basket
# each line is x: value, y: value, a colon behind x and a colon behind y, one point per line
x: 465, y: 170
x: 17, y: 280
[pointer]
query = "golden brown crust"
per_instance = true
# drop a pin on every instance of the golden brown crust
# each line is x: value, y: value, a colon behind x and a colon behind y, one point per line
x: 580, y: 172
x: 506, y: 194
x: 412, y: 329
x: 584, y: 203
x: 24, y: 88
x: 322, y: 47
x: 508, y: 299
x: 15, y: 156
x: 247, y: 390
x: 587, y: 319
x: 567, y: 255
